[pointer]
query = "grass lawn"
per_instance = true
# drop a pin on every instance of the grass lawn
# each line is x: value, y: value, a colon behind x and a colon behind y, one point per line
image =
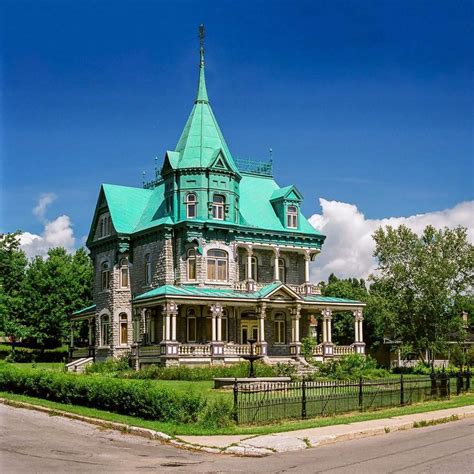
x: 189, y: 429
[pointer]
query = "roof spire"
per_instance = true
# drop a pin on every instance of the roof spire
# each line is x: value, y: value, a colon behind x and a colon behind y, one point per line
x: 202, y: 92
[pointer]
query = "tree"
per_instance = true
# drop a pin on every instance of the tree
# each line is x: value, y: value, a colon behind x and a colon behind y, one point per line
x: 423, y: 278
x: 53, y: 289
x: 13, y: 264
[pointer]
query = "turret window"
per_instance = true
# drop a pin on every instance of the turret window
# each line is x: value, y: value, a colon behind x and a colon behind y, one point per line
x: 124, y: 276
x: 191, y: 264
x: 123, y: 329
x: 218, y: 207
x: 105, y: 276
x: 292, y: 217
x: 217, y: 261
x: 148, y: 269
x: 191, y: 202
x: 104, y: 329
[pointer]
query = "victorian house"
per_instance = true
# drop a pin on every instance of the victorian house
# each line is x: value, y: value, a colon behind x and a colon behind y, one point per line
x: 209, y: 255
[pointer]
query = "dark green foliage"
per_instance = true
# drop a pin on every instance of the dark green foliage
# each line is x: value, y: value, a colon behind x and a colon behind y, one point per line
x: 130, y: 397
x: 26, y: 354
x: 216, y: 414
x: 115, y: 368
x: 307, y: 346
x: 350, y: 367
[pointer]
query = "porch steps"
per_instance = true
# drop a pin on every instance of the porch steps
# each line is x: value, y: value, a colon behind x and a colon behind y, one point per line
x: 79, y: 365
x: 303, y: 369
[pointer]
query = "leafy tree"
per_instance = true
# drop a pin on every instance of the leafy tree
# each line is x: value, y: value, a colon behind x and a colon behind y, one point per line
x: 55, y: 287
x: 13, y: 264
x: 423, y: 279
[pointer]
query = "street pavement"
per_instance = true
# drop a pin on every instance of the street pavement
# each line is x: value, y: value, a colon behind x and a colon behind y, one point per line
x: 31, y: 441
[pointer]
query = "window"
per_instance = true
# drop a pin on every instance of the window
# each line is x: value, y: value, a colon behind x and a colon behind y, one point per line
x: 292, y: 217
x: 254, y: 267
x: 236, y: 210
x: 105, y: 276
x: 123, y: 329
x: 124, y: 280
x: 281, y: 269
x: 191, y: 205
x: 191, y: 264
x: 191, y: 325
x: 147, y: 269
x: 104, y: 331
x: 279, y: 328
x: 217, y: 265
x: 150, y: 327
x: 105, y: 226
x: 218, y: 207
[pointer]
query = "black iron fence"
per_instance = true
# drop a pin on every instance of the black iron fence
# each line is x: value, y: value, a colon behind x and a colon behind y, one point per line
x: 262, y: 402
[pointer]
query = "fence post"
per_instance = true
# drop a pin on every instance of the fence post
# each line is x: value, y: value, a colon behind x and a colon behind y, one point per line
x: 468, y: 379
x: 459, y: 383
x: 361, y: 394
x: 402, y: 391
x: 236, y: 396
x: 303, y: 399
x: 443, y: 385
x: 433, y: 383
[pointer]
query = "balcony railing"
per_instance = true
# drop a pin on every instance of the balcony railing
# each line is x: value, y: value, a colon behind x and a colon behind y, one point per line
x: 200, y: 350
x: 298, y: 289
x: 263, y: 168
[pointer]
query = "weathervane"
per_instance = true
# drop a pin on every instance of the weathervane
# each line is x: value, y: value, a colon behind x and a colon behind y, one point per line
x: 201, y: 43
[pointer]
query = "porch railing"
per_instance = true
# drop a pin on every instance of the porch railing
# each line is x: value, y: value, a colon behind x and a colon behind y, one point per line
x: 298, y: 289
x: 236, y: 349
x: 337, y: 350
x: 202, y: 350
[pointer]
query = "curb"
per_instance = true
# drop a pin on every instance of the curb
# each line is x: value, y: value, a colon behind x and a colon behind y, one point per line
x: 245, y: 447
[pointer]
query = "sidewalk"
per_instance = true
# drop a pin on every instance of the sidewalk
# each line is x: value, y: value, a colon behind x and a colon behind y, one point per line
x: 302, y: 439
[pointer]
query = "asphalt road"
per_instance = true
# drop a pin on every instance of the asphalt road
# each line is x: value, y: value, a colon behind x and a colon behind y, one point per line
x: 35, y: 442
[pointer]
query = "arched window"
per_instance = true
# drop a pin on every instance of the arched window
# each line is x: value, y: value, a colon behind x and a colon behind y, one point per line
x: 124, y: 280
x: 279, y: 336
x: 217, y: 265
x: 218, y: 207
x: 292, y: 217
x: 191, y: 325
x: 123, y: 329
x: 104, y: 330
x: 105, y: 276
x: 191, y: 202
x: 191, y: 264
x: 281, y: 269
x: 147, y: 269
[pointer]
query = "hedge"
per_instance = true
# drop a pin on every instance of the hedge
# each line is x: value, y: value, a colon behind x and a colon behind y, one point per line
x: 130, y: 397
x: 27, y: 354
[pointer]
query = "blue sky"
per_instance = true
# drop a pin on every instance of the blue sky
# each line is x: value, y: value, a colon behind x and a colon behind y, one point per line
x: 364, y: 102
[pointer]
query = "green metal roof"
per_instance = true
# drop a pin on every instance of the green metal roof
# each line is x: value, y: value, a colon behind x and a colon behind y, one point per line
x: 224, y: 293
x: 285, y: 192
x: 87, y: 309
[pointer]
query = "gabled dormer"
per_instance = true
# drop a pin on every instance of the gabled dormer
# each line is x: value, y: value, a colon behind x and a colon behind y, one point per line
x: 286, y: 202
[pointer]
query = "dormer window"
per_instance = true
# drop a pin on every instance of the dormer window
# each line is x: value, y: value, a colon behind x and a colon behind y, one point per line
x: 292, y: 217
x: 105, y: 226
x: 218, y: 207
x: 191, y: 202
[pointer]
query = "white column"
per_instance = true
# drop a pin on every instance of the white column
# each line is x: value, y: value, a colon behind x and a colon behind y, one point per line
x: 329, y: 330
x: 213, y: 328
x: 164, y: 326
x: 249, y: 263
x: 307, y: 258
x: 356, y: 331
x: 297, y: 330
x: 276, y: 270
x: 261, y: 332
x: 71, y: 342
x: 219, y: 327
x: 361, y: 334
x: 173, y: 327
x: 167, y: 326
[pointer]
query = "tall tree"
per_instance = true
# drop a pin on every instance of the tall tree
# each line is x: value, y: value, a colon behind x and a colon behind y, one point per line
x: 13, y: 264
x: 424, y: 278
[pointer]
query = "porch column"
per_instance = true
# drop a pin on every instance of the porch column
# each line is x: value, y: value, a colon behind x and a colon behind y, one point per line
x: 276, y: 270
x: 217, y: 346
x: 169, y: 345
x: 359, y: 336
x: 250, y: 281
x: 261, y: 344
x: 307, y: 284
x: 328, y: 349
x: 295, y: 345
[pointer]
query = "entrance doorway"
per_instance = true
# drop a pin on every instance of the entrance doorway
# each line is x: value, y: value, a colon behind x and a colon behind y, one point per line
x: 248, y: 330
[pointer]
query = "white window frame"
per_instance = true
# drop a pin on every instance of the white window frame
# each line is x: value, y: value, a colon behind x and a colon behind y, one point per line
x: 279, y: 327
x: 191, y: 259
x: 218, y: 207
x: 292, y: 217
x: 218, y: 261
x: 124, y: 271
x: 191, y: 204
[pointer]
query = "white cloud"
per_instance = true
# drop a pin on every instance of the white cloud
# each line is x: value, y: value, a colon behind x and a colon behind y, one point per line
x: 43, y: 202
x: 56, y: 233
x: 348, y: 249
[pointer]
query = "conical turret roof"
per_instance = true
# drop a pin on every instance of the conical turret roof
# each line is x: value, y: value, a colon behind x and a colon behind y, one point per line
x: 202, y: 140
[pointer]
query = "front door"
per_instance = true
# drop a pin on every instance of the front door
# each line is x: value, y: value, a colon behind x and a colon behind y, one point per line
x: 248, y: 330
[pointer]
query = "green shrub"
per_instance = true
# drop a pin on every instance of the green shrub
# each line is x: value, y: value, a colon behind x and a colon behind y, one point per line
x: 351, y: 367
x: 131, y: 397
x: 216, y: 414
x: 27, y: 354
x: 307, y: 347
x: 110, y: 366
